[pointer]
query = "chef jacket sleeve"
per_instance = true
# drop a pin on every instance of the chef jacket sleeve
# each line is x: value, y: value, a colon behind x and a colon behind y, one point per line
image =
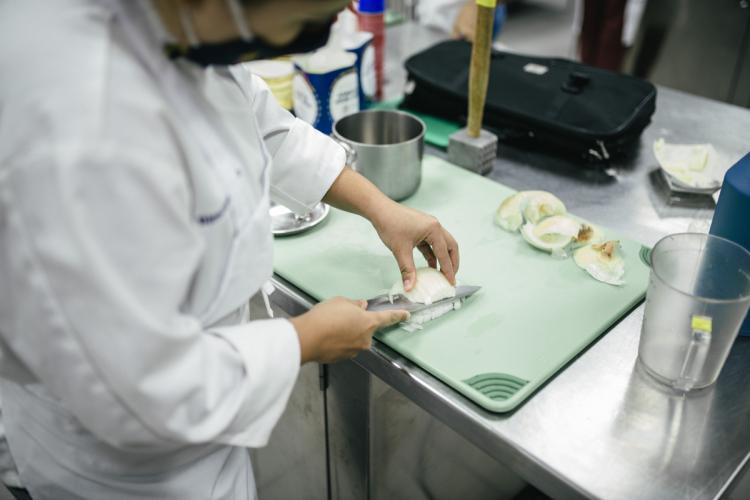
x: 100, y: 256
x: 305, y: 161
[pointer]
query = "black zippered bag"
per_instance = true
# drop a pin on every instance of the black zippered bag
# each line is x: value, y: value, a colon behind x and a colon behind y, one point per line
x: 551, y: 104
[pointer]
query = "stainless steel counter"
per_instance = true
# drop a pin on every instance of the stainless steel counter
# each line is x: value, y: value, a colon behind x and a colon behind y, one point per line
x: 601, y: 429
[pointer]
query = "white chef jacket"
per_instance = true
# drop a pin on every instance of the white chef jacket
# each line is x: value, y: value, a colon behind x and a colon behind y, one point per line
x: 439, y: 14
x: 134, y: 227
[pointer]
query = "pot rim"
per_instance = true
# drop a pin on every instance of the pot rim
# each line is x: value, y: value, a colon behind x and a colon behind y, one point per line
x: 418, y: 138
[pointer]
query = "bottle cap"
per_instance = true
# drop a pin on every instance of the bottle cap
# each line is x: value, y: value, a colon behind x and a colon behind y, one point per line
x: 371, y: 6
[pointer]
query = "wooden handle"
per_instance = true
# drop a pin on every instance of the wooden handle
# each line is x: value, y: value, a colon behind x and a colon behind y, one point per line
x: 479, y: 71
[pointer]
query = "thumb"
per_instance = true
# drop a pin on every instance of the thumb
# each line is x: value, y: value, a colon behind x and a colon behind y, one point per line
x: 388, y: 318
x: 405, y: 260
x: 360, y: 303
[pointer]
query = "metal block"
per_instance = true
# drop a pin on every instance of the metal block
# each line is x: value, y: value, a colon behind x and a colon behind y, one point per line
x: 473, y: 153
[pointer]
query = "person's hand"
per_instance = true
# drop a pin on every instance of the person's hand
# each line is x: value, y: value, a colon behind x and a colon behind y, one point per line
x: 466, y: 20
x: 402, y: 229
x: 340, y: 328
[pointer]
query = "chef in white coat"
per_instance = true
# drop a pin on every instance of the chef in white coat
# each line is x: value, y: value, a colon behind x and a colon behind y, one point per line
x: 134, y: 227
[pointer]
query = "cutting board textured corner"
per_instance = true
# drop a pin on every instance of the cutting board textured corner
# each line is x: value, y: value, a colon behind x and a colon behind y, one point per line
x: 533, y: 314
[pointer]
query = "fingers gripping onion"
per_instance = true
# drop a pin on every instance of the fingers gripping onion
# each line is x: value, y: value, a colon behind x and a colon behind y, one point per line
x: 429, y: 287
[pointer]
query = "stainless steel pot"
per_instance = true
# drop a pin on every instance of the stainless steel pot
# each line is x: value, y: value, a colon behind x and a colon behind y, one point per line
x: 387, y: 146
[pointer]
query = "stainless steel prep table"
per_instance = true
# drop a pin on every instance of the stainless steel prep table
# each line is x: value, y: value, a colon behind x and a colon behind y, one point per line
x: 599, y: 429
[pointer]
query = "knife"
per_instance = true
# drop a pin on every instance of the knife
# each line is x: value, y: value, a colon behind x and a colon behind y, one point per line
x: 401, y: 303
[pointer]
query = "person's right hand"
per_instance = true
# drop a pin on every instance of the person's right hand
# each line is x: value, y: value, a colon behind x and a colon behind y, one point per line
x: 340, y: 328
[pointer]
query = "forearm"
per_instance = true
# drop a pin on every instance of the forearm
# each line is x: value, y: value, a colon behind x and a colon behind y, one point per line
x: 354, y: 193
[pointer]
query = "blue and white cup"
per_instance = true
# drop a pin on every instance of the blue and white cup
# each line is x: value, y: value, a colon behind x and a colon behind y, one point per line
x: 325, y: 87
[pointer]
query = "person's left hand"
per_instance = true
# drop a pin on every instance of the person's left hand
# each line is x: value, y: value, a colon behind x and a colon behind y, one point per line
x: 402, y: 228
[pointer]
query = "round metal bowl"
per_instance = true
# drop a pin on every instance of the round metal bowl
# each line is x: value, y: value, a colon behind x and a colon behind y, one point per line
x: 284, y: 222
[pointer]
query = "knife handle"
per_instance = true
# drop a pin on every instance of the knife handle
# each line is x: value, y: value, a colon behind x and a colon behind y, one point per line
x: 479, y: 71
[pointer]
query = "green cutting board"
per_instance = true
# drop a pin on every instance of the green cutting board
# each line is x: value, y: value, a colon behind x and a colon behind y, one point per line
x: 533, y: 314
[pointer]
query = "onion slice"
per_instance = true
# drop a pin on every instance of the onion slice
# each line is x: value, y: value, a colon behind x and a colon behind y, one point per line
x: 532, y: 206
x: 541, y: 204
x: 603, y: 262
x: 553, y: 233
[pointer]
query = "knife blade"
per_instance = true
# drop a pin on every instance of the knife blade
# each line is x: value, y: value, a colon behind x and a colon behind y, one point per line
x: 401, y: 303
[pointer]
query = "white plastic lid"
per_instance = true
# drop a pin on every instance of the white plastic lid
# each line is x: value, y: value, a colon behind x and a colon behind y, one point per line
x: 347, y: 22
x: 325, y: 60
x: 345, y: 32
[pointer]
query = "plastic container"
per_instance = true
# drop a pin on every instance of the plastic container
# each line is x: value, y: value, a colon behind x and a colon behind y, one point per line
x: 371, y: 16
x: 346, y: 34
x: 698, y: 295
x: 278, y: 75
x: 325, y: 87
x: 499, y: 22
x: 731, y: 215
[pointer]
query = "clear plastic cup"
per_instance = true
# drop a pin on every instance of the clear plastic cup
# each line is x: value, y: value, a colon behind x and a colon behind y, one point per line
x: 698, y: 296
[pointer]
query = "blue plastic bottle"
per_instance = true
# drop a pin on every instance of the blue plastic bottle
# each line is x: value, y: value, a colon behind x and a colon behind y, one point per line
x: 732, y: 214
x: 500, y: 16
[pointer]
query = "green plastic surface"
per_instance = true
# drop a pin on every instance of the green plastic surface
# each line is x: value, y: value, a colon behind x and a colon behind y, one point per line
x: 438, y: 130
x: 533, y: 314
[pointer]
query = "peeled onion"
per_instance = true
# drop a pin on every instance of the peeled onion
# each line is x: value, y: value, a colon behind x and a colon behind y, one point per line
x: 602, y: 261
x: 530, y: 205
x: 508, y: 215
x: 548, y: 228
x: 431, y: 286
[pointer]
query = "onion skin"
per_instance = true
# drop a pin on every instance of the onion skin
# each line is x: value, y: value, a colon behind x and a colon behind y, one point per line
x: 602, y: 262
